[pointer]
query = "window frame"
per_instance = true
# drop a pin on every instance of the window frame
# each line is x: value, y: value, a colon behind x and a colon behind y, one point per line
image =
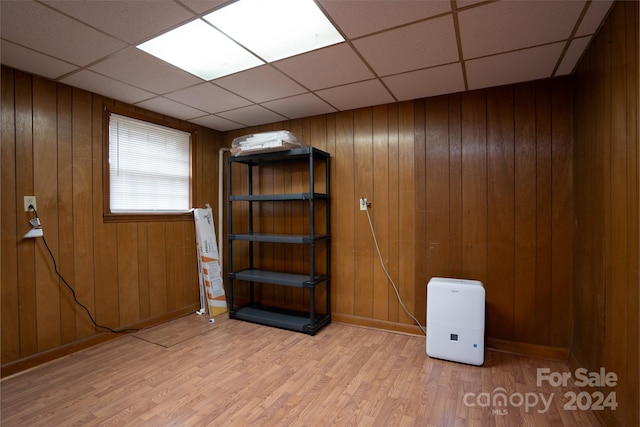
x: 109, y: 216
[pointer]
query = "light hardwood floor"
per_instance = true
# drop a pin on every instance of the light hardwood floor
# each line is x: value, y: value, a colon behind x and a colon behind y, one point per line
x: 191, y: 372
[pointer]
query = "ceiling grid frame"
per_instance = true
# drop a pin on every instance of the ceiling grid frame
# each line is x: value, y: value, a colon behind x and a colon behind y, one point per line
x: 391, y: 53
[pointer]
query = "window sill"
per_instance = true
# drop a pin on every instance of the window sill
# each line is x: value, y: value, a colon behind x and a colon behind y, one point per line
x: 147, y: 217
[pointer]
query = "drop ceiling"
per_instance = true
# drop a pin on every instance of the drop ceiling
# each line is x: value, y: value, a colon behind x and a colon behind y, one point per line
x: 394, y: 51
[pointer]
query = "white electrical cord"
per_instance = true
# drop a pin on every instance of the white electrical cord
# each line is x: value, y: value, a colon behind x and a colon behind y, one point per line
x: 395, y: 288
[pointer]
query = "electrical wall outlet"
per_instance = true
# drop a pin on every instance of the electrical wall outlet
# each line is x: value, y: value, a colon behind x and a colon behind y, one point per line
x: 363, y: 203
x: 29, y: 200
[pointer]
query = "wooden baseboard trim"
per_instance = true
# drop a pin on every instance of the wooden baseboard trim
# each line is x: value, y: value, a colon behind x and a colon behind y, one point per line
x: 526, y: 349
x: 375, y: 323
x: 21, y: 365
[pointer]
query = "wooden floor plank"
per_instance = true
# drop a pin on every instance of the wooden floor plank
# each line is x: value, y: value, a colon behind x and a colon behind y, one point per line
x: 240, y: 374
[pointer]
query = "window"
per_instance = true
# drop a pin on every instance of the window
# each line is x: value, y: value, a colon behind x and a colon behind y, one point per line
x: 148, y: 168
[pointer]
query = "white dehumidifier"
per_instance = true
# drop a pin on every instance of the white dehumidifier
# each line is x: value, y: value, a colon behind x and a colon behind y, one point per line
x: 455, y: 320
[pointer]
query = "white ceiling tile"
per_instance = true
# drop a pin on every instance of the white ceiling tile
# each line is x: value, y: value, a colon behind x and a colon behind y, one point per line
x: 209, y: 98
x: 252, y: 116
x: 410, y: 44
x: 26, y: 59
x: 142, y: 20
x: 202, y: 6
x: 464, y: 3
x: 511, y: 25
x: 421, y: 45
x: 94, y: 82
x: 323, y: 68
x: 572, y: 55
x: 171, y: 108
x: 357, y: 18
x: 424, y: 83
x: 260, y: 84
x: 218, y: 123
x: 513, y: 67
x: 593, y: 18
x: 356, y: 95
x: 304, y: 105
x: 145, y: 71
x: 36, y: 26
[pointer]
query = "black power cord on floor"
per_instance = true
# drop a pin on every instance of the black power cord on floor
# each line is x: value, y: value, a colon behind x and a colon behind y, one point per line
x: 73, y: 292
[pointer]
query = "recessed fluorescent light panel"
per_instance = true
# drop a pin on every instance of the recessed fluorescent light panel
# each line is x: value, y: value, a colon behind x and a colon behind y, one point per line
x: 271, y: 29
x: 201, y: 50
x: 276, y: 29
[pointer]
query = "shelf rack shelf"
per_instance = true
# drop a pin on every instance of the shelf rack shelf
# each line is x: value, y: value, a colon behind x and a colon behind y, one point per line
x: 317, y: 198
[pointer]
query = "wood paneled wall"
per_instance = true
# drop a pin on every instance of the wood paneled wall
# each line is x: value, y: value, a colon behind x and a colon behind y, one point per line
x: 606, y: 331
x: 475, y: 185
x: 372, y: 156
x: 471, y: 185
x: 127, y: 274
x: 494, y: 203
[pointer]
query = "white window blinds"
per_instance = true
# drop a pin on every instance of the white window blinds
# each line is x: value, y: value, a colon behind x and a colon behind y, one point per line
x: 149, y: 167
